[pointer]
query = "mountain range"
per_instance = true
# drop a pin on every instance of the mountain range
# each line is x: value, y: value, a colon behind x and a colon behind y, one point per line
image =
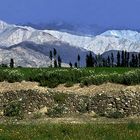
x: 30, y: 47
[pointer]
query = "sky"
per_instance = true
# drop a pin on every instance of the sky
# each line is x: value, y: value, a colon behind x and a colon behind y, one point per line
x: 105, y: 13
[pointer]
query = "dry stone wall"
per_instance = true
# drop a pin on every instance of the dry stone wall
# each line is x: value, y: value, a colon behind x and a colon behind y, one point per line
x: 118, y: 105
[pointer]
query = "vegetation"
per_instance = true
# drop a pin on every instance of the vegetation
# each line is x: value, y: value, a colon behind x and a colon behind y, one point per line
x: 130, y: 131
x: 122, y: 59
x: 100, y: 74
x: 52, y: 77
x: 12, y: 63
x: 69, y: 84
x: 14, y: 109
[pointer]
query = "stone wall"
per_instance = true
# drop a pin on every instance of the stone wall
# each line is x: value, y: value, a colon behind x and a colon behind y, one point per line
x: 118, y: 105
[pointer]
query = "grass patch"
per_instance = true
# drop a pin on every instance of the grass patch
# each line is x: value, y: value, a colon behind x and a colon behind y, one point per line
x: 70, y: 132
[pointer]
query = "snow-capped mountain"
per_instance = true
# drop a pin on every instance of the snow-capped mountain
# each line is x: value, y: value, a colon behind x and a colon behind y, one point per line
x: 124, y: 34
x: 30, y: 47
x: 109, y: 40
x: 102, y: 43
x: 12, y: 34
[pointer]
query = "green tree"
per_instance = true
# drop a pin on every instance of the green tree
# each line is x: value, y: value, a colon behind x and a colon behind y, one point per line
x: 133, y: 60
x: 108, y: 61
x: 70, y: 64
x: 59, y: 61
x: 89, y: 60
x: 136, y: 61
x: 55, y: 61
x: 78, y: 58
x: 12, y: 63
x: 118, y: 59
x: 123, y: 59
x: 54, y: 52
x: 139, y: 60
x: 51, y: 57
x: 112, y: 59
x: 127, y: 61
x: 104, y: 62
x: 75, y: 65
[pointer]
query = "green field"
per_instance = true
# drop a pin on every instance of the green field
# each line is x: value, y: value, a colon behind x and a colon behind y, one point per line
x: 130, y: 131
x: 97, y: 70
x: 52, y: 77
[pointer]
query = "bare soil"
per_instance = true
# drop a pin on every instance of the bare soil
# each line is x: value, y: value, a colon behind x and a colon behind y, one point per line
x: 109, y: 88
x: 5, y: 86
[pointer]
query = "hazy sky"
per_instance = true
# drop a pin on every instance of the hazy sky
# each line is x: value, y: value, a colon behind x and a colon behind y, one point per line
x: 114, y: 13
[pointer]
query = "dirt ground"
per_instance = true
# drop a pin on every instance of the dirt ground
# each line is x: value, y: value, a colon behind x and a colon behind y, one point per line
x: 76, y: 89
x: 5, y: 86
x: 107, y: 88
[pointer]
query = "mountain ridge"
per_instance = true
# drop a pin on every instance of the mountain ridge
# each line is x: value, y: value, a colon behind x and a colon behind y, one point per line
x: 68, y: 45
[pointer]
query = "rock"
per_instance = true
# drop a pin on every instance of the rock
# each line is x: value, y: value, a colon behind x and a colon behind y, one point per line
x: 118, y: 99
x: 1, y: 113
x: 29, y: 113
x: 93, y: 114
x: 43, y: 110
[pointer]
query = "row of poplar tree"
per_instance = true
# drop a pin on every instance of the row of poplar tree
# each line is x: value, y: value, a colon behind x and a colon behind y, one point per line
x: 121, y: 59
x: 56, y: 60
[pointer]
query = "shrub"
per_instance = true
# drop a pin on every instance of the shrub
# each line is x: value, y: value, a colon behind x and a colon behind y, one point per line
x: 60, y: 98
x: 83, y: 107
x: 37, y: 115
x: 95, y: 80
x: 13, y: 109
x: 82, y: 104
x: 69, y: 84
x: 115, y: 78
x: 116, y: 115
x: 131, y: 77
x: 54, y: 77
x: 56, y: 111
x: 82, y: 85
x: 50, y: 84
x: 13, y: 75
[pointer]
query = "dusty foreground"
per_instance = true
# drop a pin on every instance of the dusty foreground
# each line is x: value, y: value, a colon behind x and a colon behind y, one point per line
x: 108, y: 88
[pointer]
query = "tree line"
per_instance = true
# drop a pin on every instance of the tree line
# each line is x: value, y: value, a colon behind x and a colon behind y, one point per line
x: 121, y: 59
x: 56, y: 60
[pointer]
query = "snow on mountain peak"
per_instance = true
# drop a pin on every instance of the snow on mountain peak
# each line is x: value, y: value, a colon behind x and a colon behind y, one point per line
x: 15, y: 34
x: 3, y: 25
x: 124, y: 34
